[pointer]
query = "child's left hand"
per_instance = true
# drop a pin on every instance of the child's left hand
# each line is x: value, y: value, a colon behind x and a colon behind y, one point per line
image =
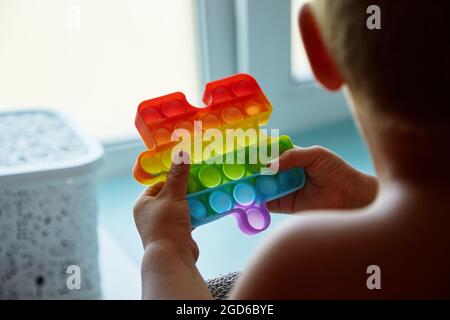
x: 161, y: 213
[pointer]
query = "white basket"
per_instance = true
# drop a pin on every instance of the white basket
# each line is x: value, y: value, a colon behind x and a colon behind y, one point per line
x: 48, y: 211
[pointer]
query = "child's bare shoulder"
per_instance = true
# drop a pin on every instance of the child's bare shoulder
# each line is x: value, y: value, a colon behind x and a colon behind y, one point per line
x: 332, y: 255
x: 309, y: 256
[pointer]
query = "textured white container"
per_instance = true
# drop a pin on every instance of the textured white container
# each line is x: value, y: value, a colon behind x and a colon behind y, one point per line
x: 48, y: 211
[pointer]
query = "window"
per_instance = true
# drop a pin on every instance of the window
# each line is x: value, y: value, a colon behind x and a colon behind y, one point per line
x: 96, y: 60
x: 268, y: 46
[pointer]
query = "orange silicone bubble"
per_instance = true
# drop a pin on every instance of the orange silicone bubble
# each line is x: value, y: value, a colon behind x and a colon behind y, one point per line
x: 185, y: 124
x: 162, y: 135
x: 210, y: 121
x: 232, y: 114
x: 252, y: 108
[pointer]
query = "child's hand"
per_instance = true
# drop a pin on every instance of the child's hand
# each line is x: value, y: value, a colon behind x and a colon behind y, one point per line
x: 161, y: 213
x: 331, y: 182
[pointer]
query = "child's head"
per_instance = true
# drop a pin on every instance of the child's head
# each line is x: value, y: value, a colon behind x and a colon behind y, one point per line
x: 401, y: 69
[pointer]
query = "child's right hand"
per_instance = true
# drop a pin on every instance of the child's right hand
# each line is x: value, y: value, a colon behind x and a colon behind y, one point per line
x: 331, y: 182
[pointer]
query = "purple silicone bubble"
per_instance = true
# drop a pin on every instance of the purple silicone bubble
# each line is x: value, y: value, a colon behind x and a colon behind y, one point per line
x: 252, y: 220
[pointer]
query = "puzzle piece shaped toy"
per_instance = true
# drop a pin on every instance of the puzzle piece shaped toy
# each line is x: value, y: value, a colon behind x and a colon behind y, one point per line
x: 218, y: 188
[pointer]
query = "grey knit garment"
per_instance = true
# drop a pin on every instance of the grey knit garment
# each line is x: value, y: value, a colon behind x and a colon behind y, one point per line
x: 221, y: 286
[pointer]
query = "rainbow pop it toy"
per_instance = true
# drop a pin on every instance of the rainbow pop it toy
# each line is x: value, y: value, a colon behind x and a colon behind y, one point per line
x: 218, y: 186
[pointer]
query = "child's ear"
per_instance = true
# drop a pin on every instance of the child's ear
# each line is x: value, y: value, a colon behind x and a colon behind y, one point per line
x: 322, y: 64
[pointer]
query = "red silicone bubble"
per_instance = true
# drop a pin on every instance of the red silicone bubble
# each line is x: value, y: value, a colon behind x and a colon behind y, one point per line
x: 220, y: 94
x: 151, y: 115
x: 242, y: 88
x: 173, y: 108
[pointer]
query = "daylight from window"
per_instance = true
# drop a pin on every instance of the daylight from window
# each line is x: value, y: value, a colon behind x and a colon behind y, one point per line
x: 301, y: 70
x: 96, y: 60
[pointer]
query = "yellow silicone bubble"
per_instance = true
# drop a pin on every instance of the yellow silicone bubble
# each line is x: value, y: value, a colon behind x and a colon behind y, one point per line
x: 196, y: 155
x: 151, y: 165
x: 228, y: 147
x: 167, y: 159
x: 232, y: 114
x: 185, y: 124
x: 247, y: 140
x: 210, y: 154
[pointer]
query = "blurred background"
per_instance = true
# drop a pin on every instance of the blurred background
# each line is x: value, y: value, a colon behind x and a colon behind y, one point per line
x: 96, y: 60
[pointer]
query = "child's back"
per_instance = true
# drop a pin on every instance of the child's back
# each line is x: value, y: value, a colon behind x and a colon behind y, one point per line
x: 396, y: 78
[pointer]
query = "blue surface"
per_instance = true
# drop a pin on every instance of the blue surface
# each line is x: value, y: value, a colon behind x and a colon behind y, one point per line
x: 223, y: 247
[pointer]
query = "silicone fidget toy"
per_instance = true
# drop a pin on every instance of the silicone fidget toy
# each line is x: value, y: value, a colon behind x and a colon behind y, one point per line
x: 217, y: 188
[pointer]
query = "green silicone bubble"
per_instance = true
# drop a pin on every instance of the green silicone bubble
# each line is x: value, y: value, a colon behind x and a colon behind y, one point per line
x: 233, y: 171
x: 285, y: 143
x: 192, y: 184
x: 209, y: 176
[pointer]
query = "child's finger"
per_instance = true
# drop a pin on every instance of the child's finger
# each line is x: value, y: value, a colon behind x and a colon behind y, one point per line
x: 177, y: 179
x: 284, y: 204
x: 274, y: 205
x: 309, y: 158
x: 152, y: 191
x: 297, y: 157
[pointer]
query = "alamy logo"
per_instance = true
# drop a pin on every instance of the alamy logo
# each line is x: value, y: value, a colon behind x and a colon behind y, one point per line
x: 73, y: 281
x: 374, y: 280
x: 374, y: 20
x: 210, y: 144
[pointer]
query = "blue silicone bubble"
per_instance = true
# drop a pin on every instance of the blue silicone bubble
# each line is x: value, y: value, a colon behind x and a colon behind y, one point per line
x: 198, y: 209
x: 244, y: 194
x: 267, y: 185
x: 220, y: 201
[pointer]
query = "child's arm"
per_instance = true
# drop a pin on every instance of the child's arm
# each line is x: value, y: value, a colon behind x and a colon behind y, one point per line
x: 331, y: 183
x: 162, y: 219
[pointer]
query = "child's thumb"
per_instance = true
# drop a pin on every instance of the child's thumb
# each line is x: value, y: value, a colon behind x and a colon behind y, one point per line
x: 177, y: 179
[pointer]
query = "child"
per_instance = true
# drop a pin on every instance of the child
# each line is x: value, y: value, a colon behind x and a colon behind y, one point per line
x: 394, y: 227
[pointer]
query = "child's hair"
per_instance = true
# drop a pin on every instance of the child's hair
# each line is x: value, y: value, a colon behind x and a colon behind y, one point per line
x: 404, y: 67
